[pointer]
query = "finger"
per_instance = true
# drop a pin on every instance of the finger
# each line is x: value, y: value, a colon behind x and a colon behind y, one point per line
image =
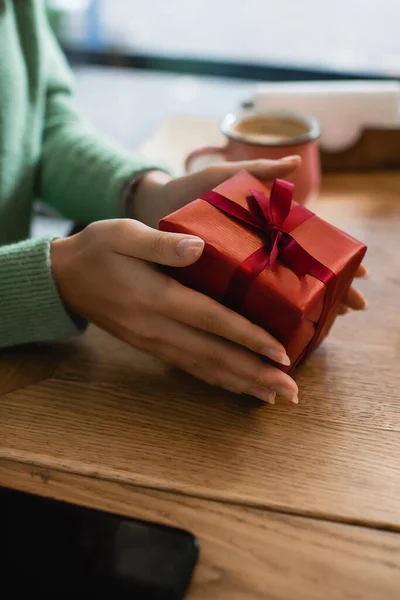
x: 189, y: 187
x: 212, y: 357
x: 265, y: 170
x: 228, y: 381
x: 174, y: 249
x: 343, y: 310
x: 172, y: 354
x: 355, y: 300
x: 362, y: 272
x: 200, y: 311
x: 220, y: 378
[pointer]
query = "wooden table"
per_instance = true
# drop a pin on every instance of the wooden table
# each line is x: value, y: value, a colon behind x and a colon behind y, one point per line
x: 289, y: 502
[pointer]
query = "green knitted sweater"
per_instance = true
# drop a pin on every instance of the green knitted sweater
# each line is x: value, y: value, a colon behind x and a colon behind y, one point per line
x: 46, y: 151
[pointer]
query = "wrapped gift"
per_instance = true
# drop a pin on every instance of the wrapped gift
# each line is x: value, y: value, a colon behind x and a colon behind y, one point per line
x: 269, y: 259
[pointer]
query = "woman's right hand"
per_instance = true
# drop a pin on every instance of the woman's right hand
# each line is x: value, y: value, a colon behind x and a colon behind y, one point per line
x: 107, y: 275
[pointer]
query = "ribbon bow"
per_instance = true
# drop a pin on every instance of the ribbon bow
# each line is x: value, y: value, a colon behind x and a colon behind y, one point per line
x: 274, y: 219
x: 271, y: 216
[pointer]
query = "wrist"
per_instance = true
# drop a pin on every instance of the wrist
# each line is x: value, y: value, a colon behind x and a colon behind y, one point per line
x: 56, y: 256
x: 60, y: 257
x: 60, y: 261
x: 145, y: 197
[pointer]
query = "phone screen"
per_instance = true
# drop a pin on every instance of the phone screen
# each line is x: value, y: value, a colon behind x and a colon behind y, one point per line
x: 53, y: 548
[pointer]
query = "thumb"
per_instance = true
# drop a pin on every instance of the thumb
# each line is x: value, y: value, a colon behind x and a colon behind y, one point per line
x: 161, y: 247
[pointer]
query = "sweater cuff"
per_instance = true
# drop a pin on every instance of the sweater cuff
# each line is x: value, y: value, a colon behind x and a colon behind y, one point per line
x: 31, y: 309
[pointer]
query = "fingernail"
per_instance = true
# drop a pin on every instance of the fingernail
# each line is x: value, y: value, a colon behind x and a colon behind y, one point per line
x: 264, y: 395
x: 189, y: 247
x: 287, y: 394
x: 279, y: 357
x: 287, y: 159
x: 365, y: 307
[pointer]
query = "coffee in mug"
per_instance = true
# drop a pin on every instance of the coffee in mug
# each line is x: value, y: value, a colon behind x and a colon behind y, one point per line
x: 253, y: 135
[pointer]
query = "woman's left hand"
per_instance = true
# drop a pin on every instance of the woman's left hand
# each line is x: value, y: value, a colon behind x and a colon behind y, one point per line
x: 159, y: 195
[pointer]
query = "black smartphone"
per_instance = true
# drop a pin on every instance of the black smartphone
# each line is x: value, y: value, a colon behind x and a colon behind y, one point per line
x: 55, y: 548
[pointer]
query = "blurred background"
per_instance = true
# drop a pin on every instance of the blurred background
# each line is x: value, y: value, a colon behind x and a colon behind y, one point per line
x: 349, y: 35
x: 137, y: 61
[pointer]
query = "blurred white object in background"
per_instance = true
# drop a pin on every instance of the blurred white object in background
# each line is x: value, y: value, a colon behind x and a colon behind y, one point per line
x: 76, y: 20
x: 344, y: 108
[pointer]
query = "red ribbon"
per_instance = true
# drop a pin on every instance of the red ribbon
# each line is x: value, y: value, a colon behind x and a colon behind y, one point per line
x: 274, y: 219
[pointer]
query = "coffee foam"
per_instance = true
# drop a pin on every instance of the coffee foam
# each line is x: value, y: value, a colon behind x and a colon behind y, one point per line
x: 269, y: 131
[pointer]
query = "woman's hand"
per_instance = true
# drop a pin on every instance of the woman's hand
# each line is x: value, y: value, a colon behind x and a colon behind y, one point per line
x: 158, y: 195
x: 106, y: 274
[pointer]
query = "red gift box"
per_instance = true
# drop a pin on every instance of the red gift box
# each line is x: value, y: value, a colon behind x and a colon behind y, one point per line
x: 271, y: 260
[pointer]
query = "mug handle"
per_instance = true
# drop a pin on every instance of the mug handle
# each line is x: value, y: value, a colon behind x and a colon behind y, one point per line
x: 206, y: 150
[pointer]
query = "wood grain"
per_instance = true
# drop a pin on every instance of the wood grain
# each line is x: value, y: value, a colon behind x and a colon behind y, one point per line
x: 119, y: 414
x: 23, y: 366
x: 104, y: 424
x: 375, y: 149
x: 333, y: 398
x: 187, y: 437
x: 245, y: 554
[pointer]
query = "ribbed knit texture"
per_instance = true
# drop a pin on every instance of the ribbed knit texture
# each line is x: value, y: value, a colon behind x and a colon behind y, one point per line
x: 30, y: 307
x: 47, y: 151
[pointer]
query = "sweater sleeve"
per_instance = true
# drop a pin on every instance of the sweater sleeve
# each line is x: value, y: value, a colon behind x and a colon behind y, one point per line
x: 30, y: 306
x: 82, y: 174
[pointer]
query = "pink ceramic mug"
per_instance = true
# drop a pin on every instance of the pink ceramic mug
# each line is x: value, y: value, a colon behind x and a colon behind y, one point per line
x: 253, y: 135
